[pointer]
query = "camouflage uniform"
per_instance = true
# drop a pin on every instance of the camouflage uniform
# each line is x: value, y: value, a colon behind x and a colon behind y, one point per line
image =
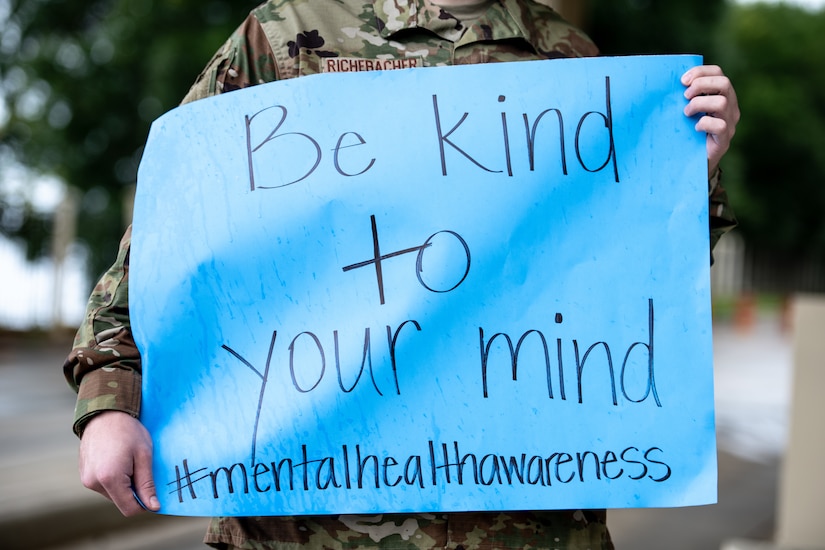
x: 290, y: 38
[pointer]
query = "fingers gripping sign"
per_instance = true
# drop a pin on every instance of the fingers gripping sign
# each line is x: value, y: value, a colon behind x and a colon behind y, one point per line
x: 116, y: 461
x: 711, y: 95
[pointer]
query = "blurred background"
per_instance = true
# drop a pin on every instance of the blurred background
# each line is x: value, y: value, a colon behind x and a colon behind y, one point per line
x: 80, y: 84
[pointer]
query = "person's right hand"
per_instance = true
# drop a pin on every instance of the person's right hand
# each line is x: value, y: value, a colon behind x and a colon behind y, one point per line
x: 115, y: 455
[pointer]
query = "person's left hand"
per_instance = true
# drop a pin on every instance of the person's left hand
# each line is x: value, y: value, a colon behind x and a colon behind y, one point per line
x: 710, y: 92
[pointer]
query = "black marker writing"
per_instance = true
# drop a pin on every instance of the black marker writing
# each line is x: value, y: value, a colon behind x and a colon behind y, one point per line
x: 447, y: 141
x: 439, y: 465
x: 312, y: 158
x: 581, y: 360
x: 301, y: 362
x: 264, y: 376
x: 378, y: 257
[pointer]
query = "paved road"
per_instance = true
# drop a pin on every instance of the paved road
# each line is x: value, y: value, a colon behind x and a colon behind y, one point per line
x: 41, y: 496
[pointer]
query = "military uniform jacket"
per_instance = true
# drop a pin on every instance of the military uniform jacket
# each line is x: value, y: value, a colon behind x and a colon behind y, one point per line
x: 291, y: 38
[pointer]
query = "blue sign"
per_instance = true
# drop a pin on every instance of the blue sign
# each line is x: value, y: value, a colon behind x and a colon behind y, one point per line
x: 443, y: 289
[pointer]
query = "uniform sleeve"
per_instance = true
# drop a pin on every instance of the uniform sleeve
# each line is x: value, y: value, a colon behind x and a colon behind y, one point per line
x: 104, y: 366
x: 246, y: 59
x: 722, y: 218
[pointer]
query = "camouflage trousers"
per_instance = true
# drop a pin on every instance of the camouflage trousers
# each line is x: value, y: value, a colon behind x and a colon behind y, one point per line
x: 556, y: 530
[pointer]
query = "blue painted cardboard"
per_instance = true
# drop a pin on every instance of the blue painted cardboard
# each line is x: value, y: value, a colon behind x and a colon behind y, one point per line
x: 467, y: 288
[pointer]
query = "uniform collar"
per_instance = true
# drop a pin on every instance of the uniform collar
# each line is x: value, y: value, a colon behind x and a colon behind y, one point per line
x: 502, y: 21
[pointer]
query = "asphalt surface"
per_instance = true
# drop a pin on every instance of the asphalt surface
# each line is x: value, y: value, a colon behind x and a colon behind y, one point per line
x: 43, y: 505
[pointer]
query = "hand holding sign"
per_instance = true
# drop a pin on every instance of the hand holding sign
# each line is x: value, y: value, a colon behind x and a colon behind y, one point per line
x: 118, y: 464
x: 711, y: 94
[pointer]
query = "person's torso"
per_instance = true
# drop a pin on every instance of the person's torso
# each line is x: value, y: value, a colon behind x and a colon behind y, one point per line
x: 349, y: 36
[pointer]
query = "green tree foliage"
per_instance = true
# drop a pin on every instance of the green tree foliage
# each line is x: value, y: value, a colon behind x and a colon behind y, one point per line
x: 622, y: 27
x: 82, y: 81
x: 776, y: 59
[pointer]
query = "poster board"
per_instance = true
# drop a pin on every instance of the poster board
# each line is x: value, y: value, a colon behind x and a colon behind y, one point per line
x: 443, y: 289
